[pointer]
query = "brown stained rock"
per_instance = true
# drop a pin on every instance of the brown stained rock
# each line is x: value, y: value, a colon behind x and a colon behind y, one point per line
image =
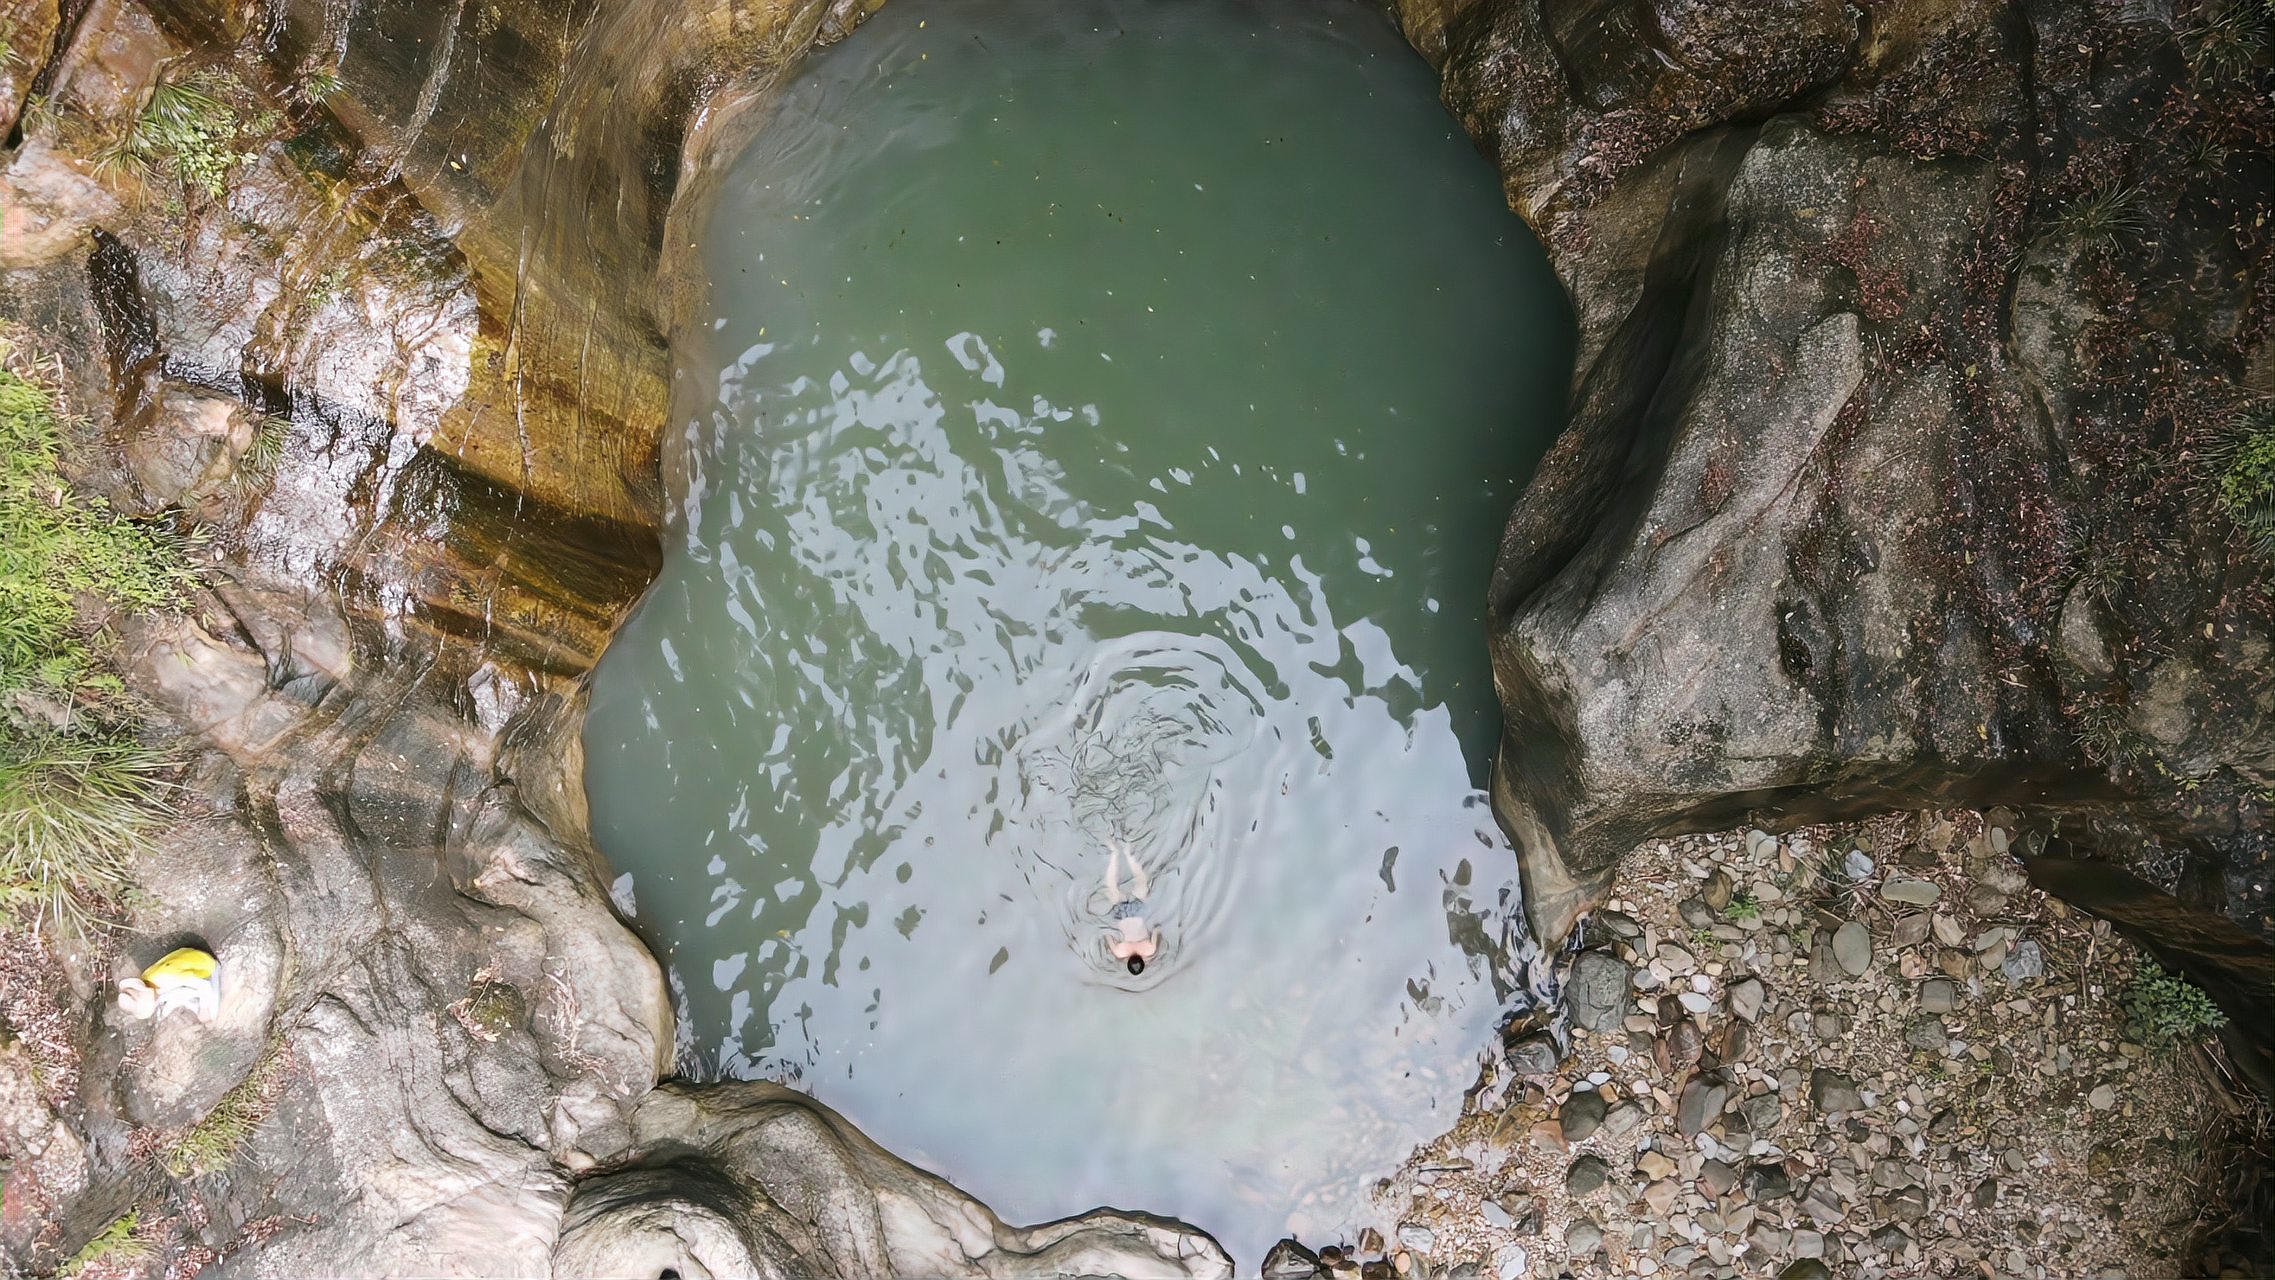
x: 186, y: 448
x: 112, y: 63
x: 47, y: 207
x: 27, y: 34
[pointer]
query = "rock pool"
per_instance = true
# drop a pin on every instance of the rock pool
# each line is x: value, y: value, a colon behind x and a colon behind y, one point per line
x: 1101, y: 428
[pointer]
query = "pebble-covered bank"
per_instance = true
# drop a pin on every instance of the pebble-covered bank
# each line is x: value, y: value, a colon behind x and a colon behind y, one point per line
x: 1865, y: 1052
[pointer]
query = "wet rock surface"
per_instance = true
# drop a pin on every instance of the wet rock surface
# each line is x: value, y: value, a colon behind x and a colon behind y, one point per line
x: 1863, y: 375
x: 1871, y: 497
x: 739, y: 1178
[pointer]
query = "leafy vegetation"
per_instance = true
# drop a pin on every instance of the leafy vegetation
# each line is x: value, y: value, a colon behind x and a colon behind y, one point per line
x: 191, y: 131
x: 214, y: 1142
x: 1745, y: 907
x: 2247, y: 481
x: 56, y: 544
x: 77, y: 791
x: 116, y: 1246
x: 2163, y: 1009
x: 2228, y: 36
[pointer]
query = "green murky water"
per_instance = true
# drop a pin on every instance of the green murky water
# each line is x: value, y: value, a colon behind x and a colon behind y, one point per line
x: 1104, y: 429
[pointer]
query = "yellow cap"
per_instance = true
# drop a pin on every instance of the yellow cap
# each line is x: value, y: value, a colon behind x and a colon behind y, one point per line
x: 186, y: 964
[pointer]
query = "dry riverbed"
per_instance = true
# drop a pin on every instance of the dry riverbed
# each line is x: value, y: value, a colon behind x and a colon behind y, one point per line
x: 1868, y: 1051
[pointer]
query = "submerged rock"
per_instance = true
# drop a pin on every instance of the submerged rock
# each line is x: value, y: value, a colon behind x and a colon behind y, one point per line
x: 1582, y: 1114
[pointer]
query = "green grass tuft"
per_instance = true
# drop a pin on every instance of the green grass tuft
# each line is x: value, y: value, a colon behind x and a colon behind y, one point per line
x: 213, y: 1143
x: 73, y: 807
x: 2228, y: 37
x: 191, y: 132
x: 2103, y: 219
x: 2247, y: 478
x: 319, y: 84
x: 56, y: 544
x: 256, y: 467
x: 115, y: 1247
x: 2163, y: 1009
x: 78, y: 793
x: 1745, y: 907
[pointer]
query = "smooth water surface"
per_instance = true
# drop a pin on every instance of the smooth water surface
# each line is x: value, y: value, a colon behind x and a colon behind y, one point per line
x: 1116, y: 406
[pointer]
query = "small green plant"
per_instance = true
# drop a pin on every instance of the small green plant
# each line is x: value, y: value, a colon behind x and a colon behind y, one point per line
x: 319, y: 84
x: 2247, y: 478
x: 2227, y: 38
x: 328, y: 287
x: 2206, y: 155
x: 116, y: 1246
x: 2104, y: 218
x: 2163, y: 1009
x: 193, y: 133
x: 2106, y: 737
x: 256, y: 467
x: 1745, y: 907
x: 214, y: 1142
x: 78, y: 793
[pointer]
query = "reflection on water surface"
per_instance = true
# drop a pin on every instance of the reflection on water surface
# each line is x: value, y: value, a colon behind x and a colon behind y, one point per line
x: 1116, y: 406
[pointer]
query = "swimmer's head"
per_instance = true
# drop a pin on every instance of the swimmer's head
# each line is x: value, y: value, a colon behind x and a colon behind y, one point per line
x: 1136, y: 965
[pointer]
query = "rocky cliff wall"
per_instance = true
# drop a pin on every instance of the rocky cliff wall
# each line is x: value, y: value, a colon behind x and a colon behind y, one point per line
x: 1912, y: 338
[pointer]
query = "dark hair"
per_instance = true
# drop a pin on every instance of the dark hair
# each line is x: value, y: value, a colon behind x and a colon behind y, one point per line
x: 1137, y: 965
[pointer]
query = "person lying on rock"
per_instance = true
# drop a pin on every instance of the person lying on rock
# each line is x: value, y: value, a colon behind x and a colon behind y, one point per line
x: 185, y: 978
x: 1134, y: 940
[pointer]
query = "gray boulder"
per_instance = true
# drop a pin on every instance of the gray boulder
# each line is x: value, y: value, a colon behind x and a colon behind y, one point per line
x: 754, y: 1179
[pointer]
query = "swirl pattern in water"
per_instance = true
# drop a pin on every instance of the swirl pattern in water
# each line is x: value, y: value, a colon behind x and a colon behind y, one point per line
x: 1102, y: 436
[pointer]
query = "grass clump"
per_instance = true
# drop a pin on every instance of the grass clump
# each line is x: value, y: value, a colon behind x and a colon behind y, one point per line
x: 256, y: 467
x: 115, y: 1247
x: 2163, y: 1009
x: 1745, y: 907
x: 78, y: 793
x: 2104, y: 218
x: 2247, y: 480
x: 191, y: 131
x: 213, y: 1143
x: 2227, y: 37
x: 73, y: 806
x: 56, y: 544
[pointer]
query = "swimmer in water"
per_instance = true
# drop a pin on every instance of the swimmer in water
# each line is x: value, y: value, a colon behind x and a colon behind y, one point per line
x: 1134, y: 940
